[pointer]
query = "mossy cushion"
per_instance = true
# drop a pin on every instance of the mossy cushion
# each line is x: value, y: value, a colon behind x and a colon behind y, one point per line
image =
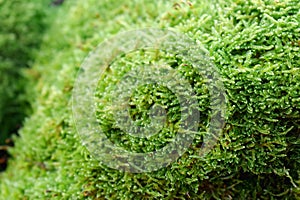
x: 255, y: 47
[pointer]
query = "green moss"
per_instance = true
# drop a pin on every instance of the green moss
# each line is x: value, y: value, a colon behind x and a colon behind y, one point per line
x: 254, y: 45
x: 22, y: 26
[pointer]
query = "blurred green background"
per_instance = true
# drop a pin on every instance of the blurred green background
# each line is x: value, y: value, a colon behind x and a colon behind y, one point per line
x: 22, y: 24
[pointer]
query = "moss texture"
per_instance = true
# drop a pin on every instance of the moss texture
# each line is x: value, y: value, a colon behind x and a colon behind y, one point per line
x: 22, y: 26
x: 254, y: 44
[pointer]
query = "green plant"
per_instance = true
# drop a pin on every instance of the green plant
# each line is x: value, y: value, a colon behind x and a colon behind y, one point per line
x: 22, y: 26
x: 254, y: 45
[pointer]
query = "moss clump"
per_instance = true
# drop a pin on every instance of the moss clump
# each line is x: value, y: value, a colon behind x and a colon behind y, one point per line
x: 255, y: 46
x: 22, y: 26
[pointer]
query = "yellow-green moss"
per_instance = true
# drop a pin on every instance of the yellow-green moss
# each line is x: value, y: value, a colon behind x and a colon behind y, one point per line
x: 254, y: 44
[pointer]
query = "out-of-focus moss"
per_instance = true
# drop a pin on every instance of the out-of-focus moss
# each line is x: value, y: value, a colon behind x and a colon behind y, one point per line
x: 22, y: 25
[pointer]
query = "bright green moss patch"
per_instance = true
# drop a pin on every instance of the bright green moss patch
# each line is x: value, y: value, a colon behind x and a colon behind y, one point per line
x: 254, y: 45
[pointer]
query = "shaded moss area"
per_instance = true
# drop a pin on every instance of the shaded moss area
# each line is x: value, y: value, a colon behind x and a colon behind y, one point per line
x: 254, y: 45
x: 22, y: 27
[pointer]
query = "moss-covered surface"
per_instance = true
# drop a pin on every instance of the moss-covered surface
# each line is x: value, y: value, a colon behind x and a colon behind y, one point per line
x: 22, y: 25
x: 255, y: 46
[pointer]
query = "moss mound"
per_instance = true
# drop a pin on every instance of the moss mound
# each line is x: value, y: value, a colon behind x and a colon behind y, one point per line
x: 22, y: 26
x: 255, y: 46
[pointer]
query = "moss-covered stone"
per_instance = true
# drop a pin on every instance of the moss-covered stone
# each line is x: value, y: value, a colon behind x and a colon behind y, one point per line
x: 255, y: 46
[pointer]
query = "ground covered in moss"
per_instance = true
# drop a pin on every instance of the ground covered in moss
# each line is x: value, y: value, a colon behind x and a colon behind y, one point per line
x: 255, y: 46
